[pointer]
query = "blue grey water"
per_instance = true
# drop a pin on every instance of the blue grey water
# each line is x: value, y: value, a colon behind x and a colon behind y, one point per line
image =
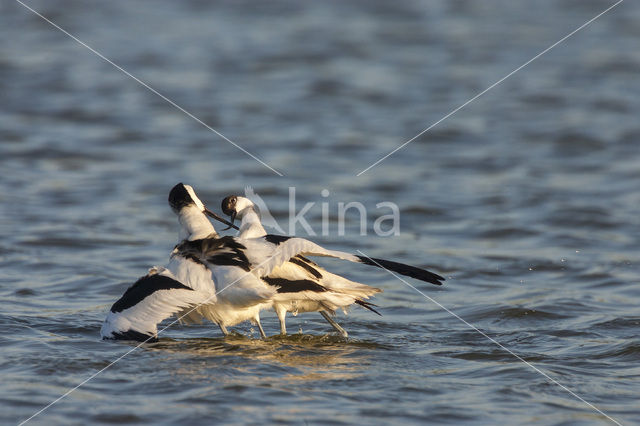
x: 527, y: 200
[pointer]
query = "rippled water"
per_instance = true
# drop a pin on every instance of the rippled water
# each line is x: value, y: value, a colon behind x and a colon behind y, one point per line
x: 527, y: 200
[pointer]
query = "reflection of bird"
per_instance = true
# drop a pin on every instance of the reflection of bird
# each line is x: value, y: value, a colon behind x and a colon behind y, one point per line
x: 302, y: 285
x: 263, y: 212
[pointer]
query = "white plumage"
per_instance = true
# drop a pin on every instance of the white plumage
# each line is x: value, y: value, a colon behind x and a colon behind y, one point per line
x: 240, y: 296
x: 286, y: 269
x: 193, y: 294
x: 228, y: 280
x: 154, y: 297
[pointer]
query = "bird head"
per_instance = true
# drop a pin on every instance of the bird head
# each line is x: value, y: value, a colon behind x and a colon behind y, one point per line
x: 183, y: 196
x: 236, y: 206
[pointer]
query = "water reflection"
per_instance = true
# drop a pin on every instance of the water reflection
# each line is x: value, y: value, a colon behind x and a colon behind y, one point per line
x: 292, y: 358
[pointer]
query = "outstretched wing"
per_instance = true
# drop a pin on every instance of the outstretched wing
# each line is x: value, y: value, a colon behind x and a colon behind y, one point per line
x: 289, y: 247
x: 146, y: 303
x: 262, y: 255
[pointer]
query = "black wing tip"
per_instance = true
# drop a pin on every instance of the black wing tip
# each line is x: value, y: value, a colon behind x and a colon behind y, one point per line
x: 132, y: 335
x: 276, y: 239
x: 403, y: 269
x: 368, y: 305
x: 438, y: 279
x: 294, y: 286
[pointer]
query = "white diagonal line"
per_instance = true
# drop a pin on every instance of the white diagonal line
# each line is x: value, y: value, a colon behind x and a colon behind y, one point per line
x: 498, y: 343
x: 151, y: 89
x: 140, y: 344
x: 492, y: 86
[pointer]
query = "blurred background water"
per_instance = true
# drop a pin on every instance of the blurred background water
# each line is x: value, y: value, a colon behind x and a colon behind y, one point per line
x: 527, y: 200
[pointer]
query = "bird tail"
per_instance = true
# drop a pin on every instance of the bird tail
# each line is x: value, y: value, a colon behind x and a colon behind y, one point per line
x: 368, y: 305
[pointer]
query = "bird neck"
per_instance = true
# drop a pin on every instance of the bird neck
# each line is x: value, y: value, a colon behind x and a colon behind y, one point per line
x: 251, y: 226
x: 194, y: 224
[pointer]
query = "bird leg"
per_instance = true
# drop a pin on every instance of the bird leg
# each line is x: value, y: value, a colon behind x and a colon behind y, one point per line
x: 223, y: 329
x: 282, y: 314
x: 334, y: 324
x: 264, y: 336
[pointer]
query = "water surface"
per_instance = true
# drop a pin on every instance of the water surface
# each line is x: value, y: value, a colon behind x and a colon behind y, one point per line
x: 527, y: 200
